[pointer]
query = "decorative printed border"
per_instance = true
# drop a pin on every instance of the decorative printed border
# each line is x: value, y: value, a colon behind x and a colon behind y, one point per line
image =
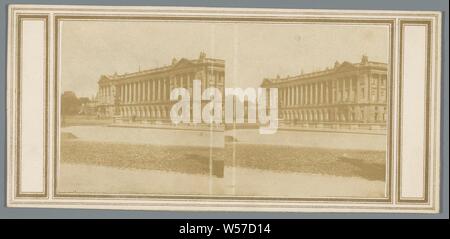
x: 19, y: 22
x: 427, y: 90
x: 392, y: 203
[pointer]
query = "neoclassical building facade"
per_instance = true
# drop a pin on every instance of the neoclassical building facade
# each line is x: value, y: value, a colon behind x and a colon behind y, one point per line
x: 347, y: 95
x: 145, y: 95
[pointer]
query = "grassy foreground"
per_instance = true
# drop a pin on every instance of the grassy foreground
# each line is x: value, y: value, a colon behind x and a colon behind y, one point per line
x: 195, y: 160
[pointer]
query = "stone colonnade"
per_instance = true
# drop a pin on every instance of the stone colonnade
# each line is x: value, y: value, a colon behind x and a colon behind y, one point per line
x: 343, y: 99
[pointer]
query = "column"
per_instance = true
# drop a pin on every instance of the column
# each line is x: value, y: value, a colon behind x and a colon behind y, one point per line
x: 161, y: 86
x: 302, y: 95
x: 309, y: 94
x: 316, y: 96
x: 153, y: 89
x: 139, y: 95
x: 161, y: 89
x: 129, y: 93
x: 280, y: 92
x: 336, y: 91
x: 293, y: 95
x: 149, y: 91
x: 189, y: 81
x: 118, y: 91
x: 122, y: 93
x: 347, y: 89
x: 286, y: 94
x: 136, y: 93
x: 321, y: 93
x: 333, y: 93
x: 351, y: 96
x: 133, y: 92
x: 286, y: 99
x: 378, y: 87
x: 125, y: 93
x: 156, y: 89
x: 289, y: 95
x: 165, y: 89
x: 203, y: 81
x: 189, y: 84
x: 306, y: 94
x: 144, y: 91
x: 140, y: 91
x: 151, y: 94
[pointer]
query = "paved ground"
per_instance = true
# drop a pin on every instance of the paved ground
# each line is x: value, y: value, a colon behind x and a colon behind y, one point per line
x: 314, y: 139
x: 248, y: 182
x: 146, y: 136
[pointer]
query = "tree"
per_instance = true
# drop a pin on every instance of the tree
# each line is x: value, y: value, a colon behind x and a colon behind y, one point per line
x: 70, y: 104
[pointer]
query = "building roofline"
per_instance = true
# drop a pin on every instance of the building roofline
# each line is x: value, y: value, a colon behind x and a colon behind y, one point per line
x: 327, y: 71
x: 201, y: 60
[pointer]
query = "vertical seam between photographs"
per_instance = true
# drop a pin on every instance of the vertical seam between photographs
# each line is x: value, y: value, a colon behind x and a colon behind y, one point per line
x: 235, y: 65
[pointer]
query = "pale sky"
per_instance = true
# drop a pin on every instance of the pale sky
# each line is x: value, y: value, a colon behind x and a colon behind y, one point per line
x: 252, y: 51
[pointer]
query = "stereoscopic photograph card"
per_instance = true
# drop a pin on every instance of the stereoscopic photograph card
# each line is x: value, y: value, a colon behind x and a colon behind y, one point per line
x: 223, y: 109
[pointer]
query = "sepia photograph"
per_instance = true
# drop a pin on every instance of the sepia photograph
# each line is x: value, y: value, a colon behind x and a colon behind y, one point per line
x: 222, y: 108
